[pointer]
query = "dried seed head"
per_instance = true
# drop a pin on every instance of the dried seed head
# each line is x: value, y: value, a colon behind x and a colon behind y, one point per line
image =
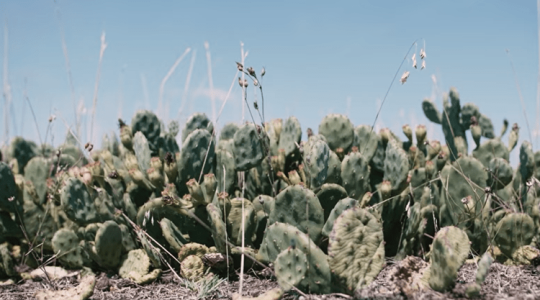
x: 414, y: 60
x: 422, y: 53
x: 263, y: 71
x: 52, y: 118
x: 256, y: 105
x: 121, y: 123
x: 240, y: 67
x: 423, y: 65
x: 255, y: 82
x: 404, y: 77
x: 251, y: 72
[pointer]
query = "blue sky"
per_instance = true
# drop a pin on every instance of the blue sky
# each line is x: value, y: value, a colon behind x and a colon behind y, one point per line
x: 320, y: 57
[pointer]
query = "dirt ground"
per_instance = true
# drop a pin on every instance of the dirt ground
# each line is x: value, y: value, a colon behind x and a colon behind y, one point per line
x: 502, y: 282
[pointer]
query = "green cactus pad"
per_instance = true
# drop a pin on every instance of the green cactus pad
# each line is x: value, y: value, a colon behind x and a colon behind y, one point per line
x: 8, y: 190
x: 108, y: 245
x: 65, y: 245
x: 338, y: 131
x: 172, y: 234
x: 22, y: 150
x: 490, y: 149
x: 77, y: 203
x: 513, y: 231
x: 449, y: 250
x: 367, y: 140
x: 250, y: 146
x: 197, y: 146
x: 299, y: 206
x: 142, y: 151
x: 329, y: 194
x: 219, y: 229
x: 37, y: 170
x: 356, y: 249
x: 196, y: 121
x: 340, y: 206
x: 355, y: 175
x: 148, y: 123
x: 234, y: 221
x: 228, y: 131
x: 291, y: 267
x: 316, y: 158
x: 396, y: 165
x: 225, y: 171
x: 500, y: 173
x: 290, y: 136
x: 431, y: 111
x: 280, y: 236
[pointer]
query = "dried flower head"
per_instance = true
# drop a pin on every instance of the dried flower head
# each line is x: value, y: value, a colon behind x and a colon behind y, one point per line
x: 121, y: 123
x: 404, y: 77
x: 52, y: 118
x: 263, y: 71
x: 251, y: 72
x: 240, y: 66
x: 256, y: 105
x: 423, y: 65
x: 422, y: 53
x: 414, y: 60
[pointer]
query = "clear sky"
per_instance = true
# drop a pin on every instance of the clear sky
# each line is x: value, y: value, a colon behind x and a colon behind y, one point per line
x: 320, y: 57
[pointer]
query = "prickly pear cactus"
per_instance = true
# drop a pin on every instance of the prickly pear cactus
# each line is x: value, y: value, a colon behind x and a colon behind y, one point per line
x: 219, y: 229
x: 316, y: 158
x: 108, y: 245
x: 8, y: 190
x: 513, y: 231
x: 192, y: 268
x: 291, y: 134
x: 396, y: 165
x: 250, y: 146
x: 367, y: 140
x: 136, y: 266
x: 234, y: 221
x: 338, y: 131
x: 340, y: 207
x: 22, y: 150
x: 148, y: 124
x: 172, y: 234
x: 198, y: 155
x: 77, y: 203
x: 291, y: 267
x: 500, y: 173
x: 449, y: 250
x: 228, y: 131
x: 473, y: 289
x: 355, y: 175
x: 299, y: 206
x: 329, y: 195
x: 65, y: 244
x: 356, y: 249
x: 225, y: 171
x: 489, y: 150
x: 37, y: 170
x: 142, y: 151
x: 280, y: 236
x: 197, y: 121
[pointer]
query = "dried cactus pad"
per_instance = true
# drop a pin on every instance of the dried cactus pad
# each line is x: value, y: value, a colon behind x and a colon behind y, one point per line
x: 356, y: 248
x: 291, y: 267
x: 136, y: 266
x: 84, y: 290
x: 192, y: 268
